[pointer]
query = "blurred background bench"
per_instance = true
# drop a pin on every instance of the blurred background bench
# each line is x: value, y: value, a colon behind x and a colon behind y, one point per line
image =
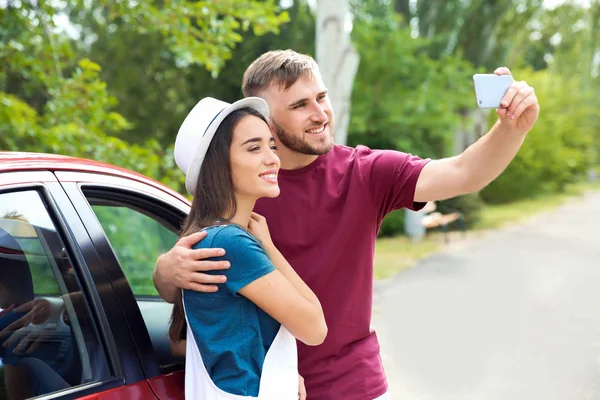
x: 419, y: 223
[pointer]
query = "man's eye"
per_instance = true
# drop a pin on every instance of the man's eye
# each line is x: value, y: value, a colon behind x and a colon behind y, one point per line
x: 298, y: 106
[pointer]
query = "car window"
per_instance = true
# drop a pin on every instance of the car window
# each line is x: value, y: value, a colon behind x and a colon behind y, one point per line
x: 139, y: 230
x: 138, y: 240
x: 49, y: 341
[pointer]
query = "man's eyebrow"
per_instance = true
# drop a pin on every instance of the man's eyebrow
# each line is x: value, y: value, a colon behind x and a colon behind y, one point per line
x: 298, y: 102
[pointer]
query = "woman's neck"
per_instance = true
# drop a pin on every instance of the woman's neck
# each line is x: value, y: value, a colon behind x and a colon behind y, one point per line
x: 243, y: 212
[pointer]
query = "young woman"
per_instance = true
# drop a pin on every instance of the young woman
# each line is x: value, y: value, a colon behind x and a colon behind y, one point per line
x: 240, y: 339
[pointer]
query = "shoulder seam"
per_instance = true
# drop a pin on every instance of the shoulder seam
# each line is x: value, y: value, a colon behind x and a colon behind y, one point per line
x: 233, y: 226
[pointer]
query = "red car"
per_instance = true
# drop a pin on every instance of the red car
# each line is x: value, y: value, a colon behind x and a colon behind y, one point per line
x: 79, y: 314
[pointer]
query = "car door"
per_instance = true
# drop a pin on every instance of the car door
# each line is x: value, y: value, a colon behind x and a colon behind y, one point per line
x: 59, y: 314
x: 131, y: 223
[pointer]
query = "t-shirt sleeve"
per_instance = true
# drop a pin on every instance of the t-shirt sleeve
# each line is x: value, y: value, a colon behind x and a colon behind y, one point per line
x: 248, y: 259
x: 391, y: 178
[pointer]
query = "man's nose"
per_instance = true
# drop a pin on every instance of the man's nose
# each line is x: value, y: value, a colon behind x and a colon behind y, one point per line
x: 319, y: 114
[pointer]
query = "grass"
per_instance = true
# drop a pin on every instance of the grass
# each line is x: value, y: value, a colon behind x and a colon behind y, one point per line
x: 496, y: 216
x: 395, y: 254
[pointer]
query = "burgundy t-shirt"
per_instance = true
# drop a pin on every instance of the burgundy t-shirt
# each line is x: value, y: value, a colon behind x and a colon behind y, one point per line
x: 325, y: 222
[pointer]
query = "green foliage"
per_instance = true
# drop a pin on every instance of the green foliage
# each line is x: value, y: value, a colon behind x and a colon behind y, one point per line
x: 155, y: 91
x: 31, y: 56
x: 53, y: 99
x: 558, y: 150
x: 483, y: 32
x: 470, y: 205
x: 392, y: 224
x: 556, y: 31
x: 42, y: 275
x: 137, y: 240
x: 82, y: 100
x: 196, y: 32
x: 403, y: 99
x: 75, y: 125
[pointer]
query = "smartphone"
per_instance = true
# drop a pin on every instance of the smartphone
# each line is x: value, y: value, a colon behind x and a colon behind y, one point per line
x: 490, y: 89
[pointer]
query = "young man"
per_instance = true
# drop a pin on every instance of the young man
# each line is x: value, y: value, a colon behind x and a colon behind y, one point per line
x: 333, y: 199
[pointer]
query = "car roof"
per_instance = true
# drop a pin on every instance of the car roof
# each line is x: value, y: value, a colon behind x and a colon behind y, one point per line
x: 22, y: 161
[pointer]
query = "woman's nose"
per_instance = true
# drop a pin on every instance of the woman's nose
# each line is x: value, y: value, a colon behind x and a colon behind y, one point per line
x: 272, y: 158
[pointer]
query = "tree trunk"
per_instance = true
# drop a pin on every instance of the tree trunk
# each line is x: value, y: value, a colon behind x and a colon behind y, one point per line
x: 402, y: 7
x: 337, y: 59
x: 474, y: 124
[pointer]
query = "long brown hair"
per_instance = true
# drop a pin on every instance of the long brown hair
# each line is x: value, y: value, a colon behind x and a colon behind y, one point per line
x: 215, y: 197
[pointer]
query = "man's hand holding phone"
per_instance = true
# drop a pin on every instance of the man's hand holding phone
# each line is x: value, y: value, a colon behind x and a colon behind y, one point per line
x: 515, y: 102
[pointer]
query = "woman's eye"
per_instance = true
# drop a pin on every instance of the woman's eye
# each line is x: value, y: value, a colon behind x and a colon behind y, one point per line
x: 254, y: 148
x: 273, y: 147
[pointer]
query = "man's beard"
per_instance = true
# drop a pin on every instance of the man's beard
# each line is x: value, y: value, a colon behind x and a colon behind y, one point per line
x: 300, y: 145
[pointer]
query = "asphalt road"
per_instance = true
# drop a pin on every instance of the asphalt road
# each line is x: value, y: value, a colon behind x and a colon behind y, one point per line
x: 513, y: 315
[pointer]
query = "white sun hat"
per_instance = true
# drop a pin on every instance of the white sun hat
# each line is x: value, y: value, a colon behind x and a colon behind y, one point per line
x: 198, y: 129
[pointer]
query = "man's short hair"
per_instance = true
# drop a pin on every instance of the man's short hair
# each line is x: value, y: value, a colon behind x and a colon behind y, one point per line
x: 281, y: 67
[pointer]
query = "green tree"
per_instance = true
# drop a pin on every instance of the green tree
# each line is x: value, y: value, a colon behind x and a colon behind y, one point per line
x: 568, y: 46
x: 75, y: 126
x: 53, y: 99
x: 196, y: 32
x: 557, y: 150
x: 483, y: 32
x: 402, y: 98
x: 155, y: 92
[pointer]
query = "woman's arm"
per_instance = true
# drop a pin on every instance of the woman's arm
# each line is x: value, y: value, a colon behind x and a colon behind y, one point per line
x: 18, y: 384
x: 283, y: 294
x: 275, y: 294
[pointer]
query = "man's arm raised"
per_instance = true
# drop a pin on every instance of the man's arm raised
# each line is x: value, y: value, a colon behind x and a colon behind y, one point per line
x: 483, y: 161
x: 183, y: 267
